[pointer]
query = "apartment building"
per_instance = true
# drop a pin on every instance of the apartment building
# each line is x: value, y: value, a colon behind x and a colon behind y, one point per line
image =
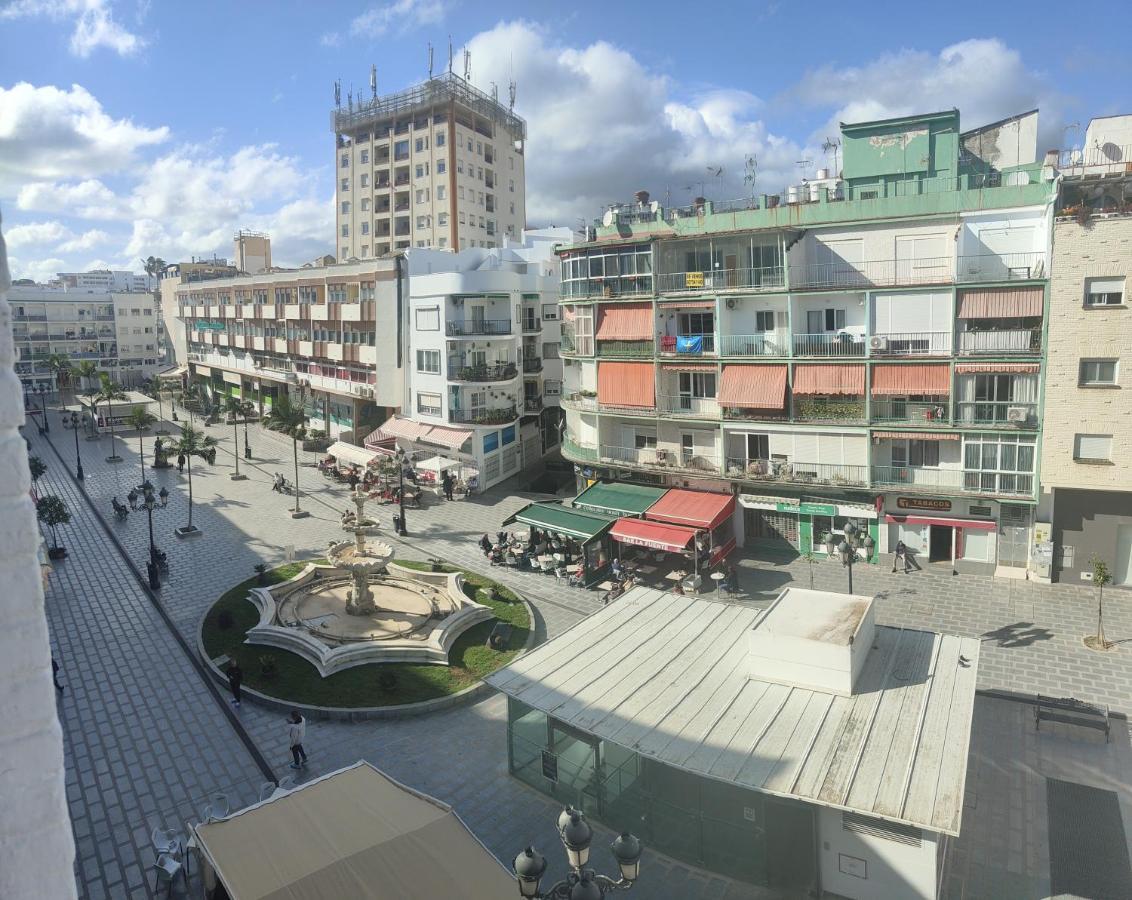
x: 116, y: 331
x: 438, y: 165
x: 866, y: 347
x: 324, y: 337
x: 1086, y: 473
x: 484, y: 375
x: 105, y: 280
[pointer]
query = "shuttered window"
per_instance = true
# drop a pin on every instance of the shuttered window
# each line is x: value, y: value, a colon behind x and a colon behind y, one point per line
x: 1092, y: 447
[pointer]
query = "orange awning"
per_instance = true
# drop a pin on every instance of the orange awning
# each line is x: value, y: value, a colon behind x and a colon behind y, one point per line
x: 830, y: 380
x: 699, y: 509
x: 689, y: 367
x: 917, y: 435
x: 753, y: 387
x: 899, y: 380
x: 625, y: 322
x: 653, y: 535
x: 626, y: 384
x: 452, y: 438
x: 1001, y: 303
x: 1021, y: 368
x: 396, y: 427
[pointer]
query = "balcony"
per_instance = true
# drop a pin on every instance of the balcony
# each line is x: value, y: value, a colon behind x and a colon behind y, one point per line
x: 609, y: 288
x: 872, y: 273
x: 687, y: 344
x: 1001, y: 267
x: 35, y: 317
x: 457, y: 371
x: 483, y: 416
x: 320, y: 312
x: 913, y: 478
x: 911, y: 411
x: 772, y: 279
x: 470, y: 327
x: 1007, y: 341
x: 754, y: 414
x: 784, y: 471
x: 531, y: 326
x: 577, y: 452
x: 911, y: 343
x: 532, y: 365
x: 685, y: 406
x: 662, y: 459
x: 532, y: 404
x: 766, y: 344
x: 587, y: 402
x: 624, y: 349
x: 846, y: 411
x: 841, y: 345
x: 998, y: 414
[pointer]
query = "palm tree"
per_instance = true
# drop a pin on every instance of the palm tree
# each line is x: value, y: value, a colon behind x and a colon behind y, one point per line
x: 192, y: 443
x: 140, y: 419
x: 234, y: 406
x: 60, y: 366
x: 154, y: 266
x: 291, y: 419
x: 86, y: 372
x: 110, y: 391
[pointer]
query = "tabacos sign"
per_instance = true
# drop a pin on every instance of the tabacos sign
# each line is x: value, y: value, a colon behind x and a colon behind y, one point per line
x: 928, y: 503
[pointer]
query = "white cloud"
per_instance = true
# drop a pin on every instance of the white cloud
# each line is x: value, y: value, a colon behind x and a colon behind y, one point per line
x: 36, y: 233
x: 400, y: 17
x: 41, y: 270
x: 92, y: 20
x: 90, y: 199
x: 85, y: 241
x: 330, y: 39
x: 47, y: 133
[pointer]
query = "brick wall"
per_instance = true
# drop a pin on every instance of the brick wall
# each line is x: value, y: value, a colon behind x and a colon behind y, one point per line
x: 36, y: 844
x: 1101, y: 248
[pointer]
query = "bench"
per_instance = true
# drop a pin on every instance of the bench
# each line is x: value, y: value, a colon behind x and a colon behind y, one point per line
x: 499, y: 636
x: 1071, y: 712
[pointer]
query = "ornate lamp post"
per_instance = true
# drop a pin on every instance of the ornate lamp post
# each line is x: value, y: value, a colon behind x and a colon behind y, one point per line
x: 149, y: 504
x: 582, y: 883
x: 41, y: 391
x: 848, y: 549
x: 75, y: 423
x: 401, y: 529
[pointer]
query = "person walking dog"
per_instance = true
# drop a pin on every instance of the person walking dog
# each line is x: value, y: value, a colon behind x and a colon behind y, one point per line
x: 296, y: 731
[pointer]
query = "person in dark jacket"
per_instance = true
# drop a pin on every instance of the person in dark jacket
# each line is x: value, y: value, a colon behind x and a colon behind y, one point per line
x: 446, y: 482
x: 235, y: 679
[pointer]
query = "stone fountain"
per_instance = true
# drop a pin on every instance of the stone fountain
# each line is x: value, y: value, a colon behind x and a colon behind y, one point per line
x: 360, y: 561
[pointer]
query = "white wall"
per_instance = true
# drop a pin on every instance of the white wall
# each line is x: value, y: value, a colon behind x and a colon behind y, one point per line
x: 852, y: 303
x: 999, y: 232
x: 856, y: 243
x: 892, y: 870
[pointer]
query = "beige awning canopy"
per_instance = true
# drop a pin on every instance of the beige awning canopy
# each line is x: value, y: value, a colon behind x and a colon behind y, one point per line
x: 353, y: 833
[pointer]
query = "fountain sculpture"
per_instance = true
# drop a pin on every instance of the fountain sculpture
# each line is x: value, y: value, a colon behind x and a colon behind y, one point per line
x: 357, y: 559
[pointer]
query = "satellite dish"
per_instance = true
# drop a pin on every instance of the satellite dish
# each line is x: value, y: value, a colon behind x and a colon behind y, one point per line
x: 1112, y: 152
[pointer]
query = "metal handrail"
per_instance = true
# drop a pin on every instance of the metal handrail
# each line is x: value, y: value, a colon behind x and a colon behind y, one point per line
x: 471, y: 326
x: 797, y: 472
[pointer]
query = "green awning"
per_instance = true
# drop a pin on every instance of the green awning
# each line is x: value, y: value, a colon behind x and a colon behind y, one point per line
x: 555, y: 517
x: 618, y: 498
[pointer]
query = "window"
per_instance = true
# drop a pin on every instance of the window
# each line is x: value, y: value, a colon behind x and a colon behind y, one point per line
x: 345, y: 231
x: 442, y: 219
x: 428, y: 361
x: 428, y: 404
x: 915, y: 453
x: 479, y: 173
x: 440, y: 139
x: 365, y: 204
x: 1092, y: 447
x: 345, y: 184
x: 819, y: 321
x: 461, y: 218
x: 345, y: 251
x: 345, y: 207
x: 461, y: 194
x: 764, y: 320
x: 491, y: 442
x: 644, y: 441
x: 421, y: 144
x: 365, y: 156
x: 1104, y: 291
x: 428, y: 319
x: 998, y: 464
x: 441, y: 167
x: 1096, y: 372
x: 401, y: 150
x: 441, y: 193
x: 365, y: 249
x: 512, y: 207
x: 479, y: 198
x: 443, y: 243
x: 345, y: 161
x: 422, y: 195
x: 508, y: 435
x: 422, y: 221
x: 700, y: 385
x: 365, y: 227
x: 470, y: 145
x: 511, y: 185
x: 479, y: 148
x: 365, y: 181
x: 459, y: 167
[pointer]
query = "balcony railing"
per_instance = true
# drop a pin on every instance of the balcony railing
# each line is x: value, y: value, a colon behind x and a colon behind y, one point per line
x: 584, y: 403
x: 662, y: 458
x: 829, y: 344
x: 531, y: 326
x: 766, y: 344
x: 688, y: 406
x: 789, y: 471
x: 872, y: 273
x: 532, y: 404
x: 532, y: 365
x: 910, y: 343
x: 919, y: 412
x: 632, y: 349
x: 754, y: 414
x: 499, y: 372
x: 575, y: 451
x: 610, y: 288
x: 1015, y: 415
x: 687, y: 344
x: 954, y: 480
x: 1001, y: 267
x: 828, y: 409
x: 1019, y: 340
x: 477, y: 326
x: 483, y: 415
x: 772, y: 279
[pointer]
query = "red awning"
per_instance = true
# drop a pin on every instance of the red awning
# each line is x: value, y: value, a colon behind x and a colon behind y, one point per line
x: 396, y: 427
x: 830, y: 380
x: 654, y: 535
x: 891, y: 380
x: 1001, y: 303
x: 626, y: 384
x: 1021, y: 368
x: 968, y: 524
x: 625, y: 322
x: 700, y: 509
x: 753, y: 387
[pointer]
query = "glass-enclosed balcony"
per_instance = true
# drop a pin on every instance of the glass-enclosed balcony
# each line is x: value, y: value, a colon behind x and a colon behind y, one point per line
x: 916, y: 478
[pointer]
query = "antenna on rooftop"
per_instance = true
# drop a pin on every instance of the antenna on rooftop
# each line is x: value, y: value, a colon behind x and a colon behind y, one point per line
x: 350, y: 99
x: 449, y: 54
x: 494, y: 92
x: 716, y: 172
x: 804, y: 165
x: 751, y: 172
x: 430, y: 60
x: 511, y: 91
x: 338, y: 93
x: 833, y: 145
x: 467, y: 64
x: 373, y: 79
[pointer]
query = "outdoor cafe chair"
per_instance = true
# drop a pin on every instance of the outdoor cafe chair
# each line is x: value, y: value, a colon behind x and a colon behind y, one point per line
x: 166, y: 870
x: 216, y: 808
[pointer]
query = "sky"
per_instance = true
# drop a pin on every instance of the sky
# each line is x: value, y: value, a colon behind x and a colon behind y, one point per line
x: 149, y: 127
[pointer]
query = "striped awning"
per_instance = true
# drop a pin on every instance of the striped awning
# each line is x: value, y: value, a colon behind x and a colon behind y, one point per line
x: 397, y: 427
x: 1001, y: 303
x: 830, y: 380
x: 452, y: 438
x: 626, y: 384
x: 689, y: 367
x: 753, y: 387
x: 1020, y: 368
x: 625, y: 322
x: 917, y: 435
x: 688, y: 304
x: 900, y: 380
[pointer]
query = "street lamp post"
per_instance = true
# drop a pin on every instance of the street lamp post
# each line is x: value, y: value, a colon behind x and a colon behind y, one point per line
x: 43, y: 392
x: 581, y: 883
x: 149, y: 504
x: 401, y: 529
x: 75, y: 423
x: 848, y: 548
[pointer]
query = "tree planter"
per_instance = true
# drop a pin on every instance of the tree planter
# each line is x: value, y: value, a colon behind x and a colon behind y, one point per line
x: 113, y: 459
x: 317, y: 444
x: 187, y: 531
x: 238, y: 476
x: 299, y: 513
x: 57, y: 553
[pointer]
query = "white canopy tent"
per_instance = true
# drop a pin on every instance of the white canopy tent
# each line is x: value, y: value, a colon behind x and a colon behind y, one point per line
x: 348, y: 453
x: 438, y: 464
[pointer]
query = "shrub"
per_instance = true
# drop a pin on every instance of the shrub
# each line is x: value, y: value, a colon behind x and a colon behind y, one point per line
x: 267, y: 665
x: 387, y: 681
x: 224, y: 620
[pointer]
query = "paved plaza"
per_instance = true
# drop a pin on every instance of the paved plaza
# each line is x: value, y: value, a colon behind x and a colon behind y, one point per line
x: 148, y: 741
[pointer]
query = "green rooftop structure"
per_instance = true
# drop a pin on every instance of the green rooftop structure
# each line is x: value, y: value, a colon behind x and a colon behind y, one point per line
x: 618, y: 498
x: 563, y: 520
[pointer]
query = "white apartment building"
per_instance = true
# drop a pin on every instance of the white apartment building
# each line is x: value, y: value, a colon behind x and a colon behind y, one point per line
x: 439, y: 165
x: 106, y: 280
x: 117, y: 331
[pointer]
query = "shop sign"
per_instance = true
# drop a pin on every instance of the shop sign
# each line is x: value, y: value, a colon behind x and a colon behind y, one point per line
x: 786, y: 507
x: 209, y: 326
x: 928, y: 503
x: 818, y: 509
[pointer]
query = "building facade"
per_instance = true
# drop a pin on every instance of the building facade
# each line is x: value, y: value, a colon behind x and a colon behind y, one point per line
x: 437, y: 165
x: 1086, y: 475
x: 106, y: 280
x: 867, y: 347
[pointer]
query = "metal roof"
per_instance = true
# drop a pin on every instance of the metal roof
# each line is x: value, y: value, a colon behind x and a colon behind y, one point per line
x: 619, y: 497
x: 667, y: 676
x: 555, y: 517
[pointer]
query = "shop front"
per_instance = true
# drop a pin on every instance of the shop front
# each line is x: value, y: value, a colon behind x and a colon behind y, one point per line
x: 584, y: 535
x: 801, y: 525
x: 710, y: 515
x: 974, y: 537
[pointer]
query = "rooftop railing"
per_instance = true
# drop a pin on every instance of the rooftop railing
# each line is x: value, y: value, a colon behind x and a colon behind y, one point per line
x: 1001, y: 267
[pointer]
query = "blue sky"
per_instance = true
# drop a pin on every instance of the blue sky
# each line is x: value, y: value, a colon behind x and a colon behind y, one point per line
x: 132, y: 128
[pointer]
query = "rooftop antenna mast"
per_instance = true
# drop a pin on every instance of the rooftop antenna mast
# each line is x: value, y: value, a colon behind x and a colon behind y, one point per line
x: 751, y: 173
x: 833, y: 145
x: 449, y: 54
x: 338, y: 93
x: 467, y: 64
x: 494, y: 92
x: 350, y: 98
x: 511, y: 92
x: 716, y: 172
x: 430, y: 60
x: 804, y: 165
x: 373, y: 80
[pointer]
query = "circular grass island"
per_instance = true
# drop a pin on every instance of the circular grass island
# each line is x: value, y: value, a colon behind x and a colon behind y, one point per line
x: 290, y: 678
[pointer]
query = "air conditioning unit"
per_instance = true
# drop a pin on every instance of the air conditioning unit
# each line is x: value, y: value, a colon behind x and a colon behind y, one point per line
x: 732, y: 302
x: 878, y: 342
x: 1017, y: 414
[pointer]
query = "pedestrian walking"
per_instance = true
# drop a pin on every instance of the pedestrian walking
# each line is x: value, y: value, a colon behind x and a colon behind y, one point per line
x: 181, y: 463
x: 235, y: 680
x: 446, y: 481
x: 901, y: 556
x: 55, y: 676
x: 296, y: 731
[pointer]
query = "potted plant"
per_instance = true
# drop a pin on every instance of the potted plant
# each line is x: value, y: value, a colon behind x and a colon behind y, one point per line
x: 52, y: 512
x: 260, y: 573
x: 37, y: 468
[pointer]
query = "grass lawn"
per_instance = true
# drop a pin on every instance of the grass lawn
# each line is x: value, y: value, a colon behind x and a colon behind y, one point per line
x: 295, y: 679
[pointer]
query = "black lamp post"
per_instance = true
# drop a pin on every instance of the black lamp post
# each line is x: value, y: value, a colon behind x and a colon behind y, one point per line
x: 848, y: 549
x: 43, y: 392
x: 149, y: 504
x: 247, y: 446
x: 75, y: 423
x: 401, y: 529
x: 581, y: 883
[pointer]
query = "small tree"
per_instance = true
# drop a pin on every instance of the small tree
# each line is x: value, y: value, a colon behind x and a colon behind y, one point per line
x: 193, y: 443
x: 234, y: 407
x: 290, y: 419
x: 52, y: 512
x: 108, y: 392
x: 140, y: 420
x: 37, y: 467
x: 1101, y: 577
x: 810, y: 559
